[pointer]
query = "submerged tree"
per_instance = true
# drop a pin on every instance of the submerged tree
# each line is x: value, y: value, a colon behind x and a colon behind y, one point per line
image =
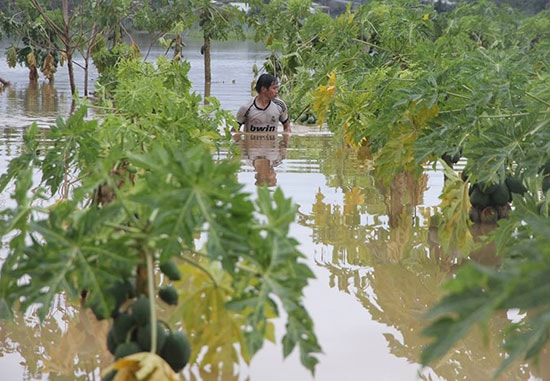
x: 215, y: 21
x: 48, y: 34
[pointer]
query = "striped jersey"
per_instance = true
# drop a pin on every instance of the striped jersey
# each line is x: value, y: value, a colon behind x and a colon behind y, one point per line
x: 256, y: 119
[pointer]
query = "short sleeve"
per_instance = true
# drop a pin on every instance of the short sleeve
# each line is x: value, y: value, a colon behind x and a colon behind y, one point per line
x: 283, y: 116
x: 241, y: 114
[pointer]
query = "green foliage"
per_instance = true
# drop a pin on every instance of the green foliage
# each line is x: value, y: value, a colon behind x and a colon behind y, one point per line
x: 143, y: 183
x: 414, y: 85
x: 278, y: 22
x: 478, y: 291
x: 276, y: 261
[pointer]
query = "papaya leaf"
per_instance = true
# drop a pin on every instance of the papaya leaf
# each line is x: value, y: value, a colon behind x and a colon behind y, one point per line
x: 526, y: 342
x: 455, y: 204
x: 204, y: 291
x: 26, y: 160
x: 193, y: 195
x: 467, y: 309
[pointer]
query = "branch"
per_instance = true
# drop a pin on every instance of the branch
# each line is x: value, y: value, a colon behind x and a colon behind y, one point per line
x: 60, y: 33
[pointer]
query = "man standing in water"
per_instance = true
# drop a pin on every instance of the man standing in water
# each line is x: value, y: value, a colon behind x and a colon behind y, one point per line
x: 264, y: 112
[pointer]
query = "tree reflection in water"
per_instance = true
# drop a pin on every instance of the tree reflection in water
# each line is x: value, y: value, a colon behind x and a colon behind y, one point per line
x: 69, y: 344
x: 386, y: 254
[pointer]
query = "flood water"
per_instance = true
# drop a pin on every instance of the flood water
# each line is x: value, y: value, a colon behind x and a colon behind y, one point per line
x: 377, y: 263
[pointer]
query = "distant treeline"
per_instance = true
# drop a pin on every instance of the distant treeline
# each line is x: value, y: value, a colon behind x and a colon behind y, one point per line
x: 334, y: 7
x: 526, y: 6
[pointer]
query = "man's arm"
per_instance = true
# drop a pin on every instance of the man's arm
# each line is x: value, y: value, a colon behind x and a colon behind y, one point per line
x: 286, y: 126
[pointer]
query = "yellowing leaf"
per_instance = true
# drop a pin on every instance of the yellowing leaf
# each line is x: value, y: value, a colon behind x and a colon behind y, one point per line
x: 48, y: 67
x: 454, y: 231
x: 419, y: 115
x: 322, y: 98
x: 426, y: 17
x: 142, y: 366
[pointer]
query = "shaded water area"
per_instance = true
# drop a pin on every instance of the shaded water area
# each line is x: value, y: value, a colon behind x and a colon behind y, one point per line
x: 377, y: 262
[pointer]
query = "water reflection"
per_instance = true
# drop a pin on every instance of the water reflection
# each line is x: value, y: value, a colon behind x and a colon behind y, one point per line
x: 263, y: 152
x: 382, y: 255
x: 389, y: 259
x: 69, y: 344
x: 40, y: 97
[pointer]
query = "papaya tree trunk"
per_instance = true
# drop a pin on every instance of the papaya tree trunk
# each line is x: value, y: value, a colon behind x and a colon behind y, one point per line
x: 67, y: 42
x: 70, y: 69
x: 33, y: 73
x: 207, y: 67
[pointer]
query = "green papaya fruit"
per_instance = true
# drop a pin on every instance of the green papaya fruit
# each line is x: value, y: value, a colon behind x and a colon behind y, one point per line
x: 126, y: 349
x: 479, y: 199
x: 176, y: 350
x: 169, y: 295
x: 123, y: 325
x: 170, y: 269
x: 487, y: 187
x: 501, y: 195
x: 111, y: 342
x: 144, y: 337
x: 515, y: 185
x: 141, y: 310
x: 119, y: 293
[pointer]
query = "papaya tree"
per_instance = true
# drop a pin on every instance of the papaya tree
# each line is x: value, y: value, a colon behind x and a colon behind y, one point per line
x: 37, y: 50
x: 147, y: 197
x: 416, y: 87
x: 277, y: 24
x: 215, y: 21
x: 49, y: 34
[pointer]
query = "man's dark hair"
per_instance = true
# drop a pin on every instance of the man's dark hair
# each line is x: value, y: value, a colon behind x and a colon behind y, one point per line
x: 265, y: 80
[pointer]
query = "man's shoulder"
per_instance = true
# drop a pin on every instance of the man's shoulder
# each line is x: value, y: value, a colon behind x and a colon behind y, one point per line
x: 249, y: 102
x: 245, y: 106
x: 279, y: 102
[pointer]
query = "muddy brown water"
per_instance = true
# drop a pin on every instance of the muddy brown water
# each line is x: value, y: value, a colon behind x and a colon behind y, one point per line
x: 377, y: 263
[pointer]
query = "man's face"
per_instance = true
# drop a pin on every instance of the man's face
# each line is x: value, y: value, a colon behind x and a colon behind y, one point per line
x: 273, y: 90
